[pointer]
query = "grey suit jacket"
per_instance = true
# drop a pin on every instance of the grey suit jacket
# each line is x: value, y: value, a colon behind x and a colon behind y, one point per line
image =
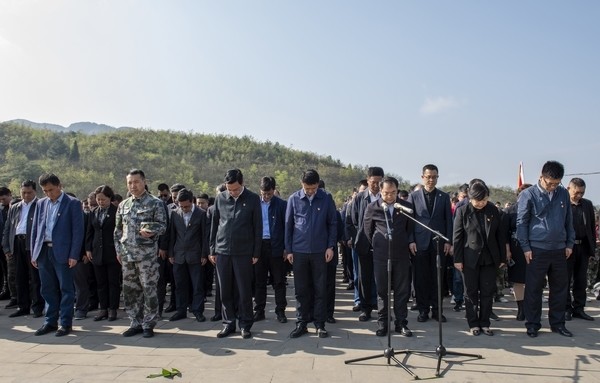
x: 10, y: 226
x: 188, y: 244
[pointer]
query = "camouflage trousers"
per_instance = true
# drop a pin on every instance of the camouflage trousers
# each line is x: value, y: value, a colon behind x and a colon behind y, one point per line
x: 140, y: 281
x: 593, y: 274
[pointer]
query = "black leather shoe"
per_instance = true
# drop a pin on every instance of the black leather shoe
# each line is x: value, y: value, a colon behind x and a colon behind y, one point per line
x: 200, y: 317
x: 112, y: 315
x: 581, y: 315
x: 350, y: 286
x: 330, y: 320
x: 403, y: 330
x: 12, y: 304
x: 227, y: 330
x: 562, y: 330
x: 322, y: 333
x: 103, y: 314
x: 178, y: 316
x: 147, y: 333
x: 38, y: 314
x: 381, y: 331
x: 45, y: 329
x: 364, y: 316
x: 246, y: 334
x: 63, y: 330
x: 131, y: 331
x: 298, y: 331
x: 170, y: 309
x: 281, y: 318
x: 422, y: 317
x: 216, y: 317
x: 532, y: 333
x: 259, y: 315
x: 568, y: 316
x: 356, y: 308
x: 19, y: 313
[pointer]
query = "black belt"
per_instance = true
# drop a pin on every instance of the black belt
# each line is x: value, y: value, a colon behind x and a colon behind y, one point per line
x: 578, y: 241
x: 21, y: 236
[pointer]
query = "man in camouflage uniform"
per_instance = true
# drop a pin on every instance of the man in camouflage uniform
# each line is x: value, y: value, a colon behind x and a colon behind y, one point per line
x: 140, y: 220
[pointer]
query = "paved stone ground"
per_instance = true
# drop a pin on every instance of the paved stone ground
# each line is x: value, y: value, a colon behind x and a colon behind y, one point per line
x: 96, y: 351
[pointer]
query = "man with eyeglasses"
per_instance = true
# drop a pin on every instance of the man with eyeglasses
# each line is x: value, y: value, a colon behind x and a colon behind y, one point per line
x: 545, y: 232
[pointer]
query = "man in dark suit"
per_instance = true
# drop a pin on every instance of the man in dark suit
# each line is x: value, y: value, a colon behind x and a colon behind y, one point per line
x: 584, y: 223
x: 362, y: 246
x: 56, y: 243
x: 432, y: 208
x: 235, y: 245
x: 380, y: 215
x: 272, y: 256
x: 188, y: 251
x: 7, y: 264
x: 16, y: 243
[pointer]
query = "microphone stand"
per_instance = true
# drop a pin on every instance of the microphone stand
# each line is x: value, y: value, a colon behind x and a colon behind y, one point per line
x: 389, y: 353
x: 440, y: 350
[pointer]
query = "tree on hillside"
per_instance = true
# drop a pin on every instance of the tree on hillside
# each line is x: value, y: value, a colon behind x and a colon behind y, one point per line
x: 74, y: 153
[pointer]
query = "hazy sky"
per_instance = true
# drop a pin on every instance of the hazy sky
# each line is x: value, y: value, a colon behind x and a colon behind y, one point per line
x: 472, y: 86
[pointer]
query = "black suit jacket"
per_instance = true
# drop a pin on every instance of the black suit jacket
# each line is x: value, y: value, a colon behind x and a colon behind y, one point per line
x: 590, y: 223
x: 470, y: 240
x: 375, y: 229
x: 10, y: 226
x: 99, y: 238
x: 355, y: 223
x: 188, y: 244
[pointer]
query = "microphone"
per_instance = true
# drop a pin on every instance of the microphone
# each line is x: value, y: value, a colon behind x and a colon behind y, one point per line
x: 384, y: 205
x: 405, y: 209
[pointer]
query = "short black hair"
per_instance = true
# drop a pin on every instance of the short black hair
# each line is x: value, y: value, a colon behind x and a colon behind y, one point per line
x: 554, y: 170
x: 202, y: 196
x: 363, y: 182
x: 185, y: 195
x: 106, y: 190
x: 310, y: 177
x: 234, y: 175
x: 579, y: 182
x: 176, y: 188
x: 49, y: 178
x: 375, y: 171
x: 4, y: 191
x: 321, y: 184
x: 221, y: 188
x: 28, y: 184
x: 403, y: 193
x: 163, y: 187
x: 135, y: 172
x: 117, y: 197
x: 431, y: 167
x: 478, y: 191
x: 389, y: 180
x: 267, y: 183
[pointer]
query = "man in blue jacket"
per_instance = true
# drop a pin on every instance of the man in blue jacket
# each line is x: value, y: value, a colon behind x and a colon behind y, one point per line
x: 56, y: 242
x: 310, y: 236
x: 545, y: 232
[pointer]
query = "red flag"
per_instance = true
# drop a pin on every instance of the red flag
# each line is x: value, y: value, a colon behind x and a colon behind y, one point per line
x: 521, y: 178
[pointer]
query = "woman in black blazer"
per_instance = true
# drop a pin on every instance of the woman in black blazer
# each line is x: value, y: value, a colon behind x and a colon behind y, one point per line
x: 479, y: 249
x: 100, y: 249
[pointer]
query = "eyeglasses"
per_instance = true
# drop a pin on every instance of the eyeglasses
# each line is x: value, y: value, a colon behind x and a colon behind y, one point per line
x: 551, y: 184
x: 431, y: 177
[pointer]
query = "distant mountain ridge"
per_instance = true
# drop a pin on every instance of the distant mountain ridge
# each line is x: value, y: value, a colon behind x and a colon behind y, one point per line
x: 83, y: 127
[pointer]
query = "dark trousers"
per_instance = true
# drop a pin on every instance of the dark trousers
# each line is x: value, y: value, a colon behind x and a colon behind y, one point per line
x: 165, y: 270
x: 348, y: 267
x: 366, y: 280
x: 400, y: 287
x: 108, y: 281
x: 235, y: 279
x: 209, y: 276
x: 58, y: 288
x: 268, y: 263
x: 425, y: 281
x: 577, y: 267
x: 29, y: 296
x: 310, y: 282
x: 554, y: 264
x: 331, y: 271
x: 189, y: 277
x: 82, y: 285
x: 481, y: 286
